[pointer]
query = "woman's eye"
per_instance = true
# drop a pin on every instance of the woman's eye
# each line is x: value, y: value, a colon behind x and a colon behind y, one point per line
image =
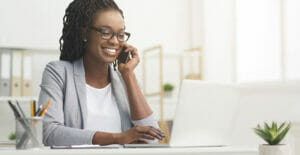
x: 105, y: 34
x: 121, y: 35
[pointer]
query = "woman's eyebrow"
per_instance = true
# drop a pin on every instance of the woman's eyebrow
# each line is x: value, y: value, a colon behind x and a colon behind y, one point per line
x: 106, y: 26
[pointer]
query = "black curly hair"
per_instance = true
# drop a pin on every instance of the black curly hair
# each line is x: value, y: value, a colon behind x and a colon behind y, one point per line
x: 78, y: 15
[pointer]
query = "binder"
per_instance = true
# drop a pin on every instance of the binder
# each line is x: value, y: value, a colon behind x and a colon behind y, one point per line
x: 27, y: 74
x: 5, y: 68
x: 16, y: 73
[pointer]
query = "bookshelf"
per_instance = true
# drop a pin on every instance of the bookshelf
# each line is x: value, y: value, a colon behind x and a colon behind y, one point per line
x: 4, y: 99
x: 38, y: 60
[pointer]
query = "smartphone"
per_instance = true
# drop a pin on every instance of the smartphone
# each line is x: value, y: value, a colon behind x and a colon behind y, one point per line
x: 123, y: 57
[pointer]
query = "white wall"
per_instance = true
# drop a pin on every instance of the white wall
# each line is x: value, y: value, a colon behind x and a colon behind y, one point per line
x: 247, y: 41
x: 197, y: 23
x: 219, y: 37
x: 258, y: 40
x: 292, y: 33
x: 267, y: 40
x: 155, y: 22
x: 31, y: 24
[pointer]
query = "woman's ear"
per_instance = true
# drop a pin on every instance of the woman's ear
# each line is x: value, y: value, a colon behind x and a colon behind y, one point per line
x: 84, y: 34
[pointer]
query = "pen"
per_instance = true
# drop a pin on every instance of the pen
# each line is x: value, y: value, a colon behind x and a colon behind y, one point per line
x: 16, y: 112
x: 34, y: 107
x: 45, y: 108
x: 20, y: 109
x: 37, y: 113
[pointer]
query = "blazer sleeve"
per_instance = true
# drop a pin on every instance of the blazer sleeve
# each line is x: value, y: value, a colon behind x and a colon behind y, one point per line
x: 148, y: 121
x: 54, y: 130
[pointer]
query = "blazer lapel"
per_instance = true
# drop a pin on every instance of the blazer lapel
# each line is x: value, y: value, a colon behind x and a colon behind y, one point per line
x: 79, y: 79
x: 119, y: 90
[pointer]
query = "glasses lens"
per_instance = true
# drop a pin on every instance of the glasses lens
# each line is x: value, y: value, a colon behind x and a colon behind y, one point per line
x: 106, y: 34
x: 122, y: 37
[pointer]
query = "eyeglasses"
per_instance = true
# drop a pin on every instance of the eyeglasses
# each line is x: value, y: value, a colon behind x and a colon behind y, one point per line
x: 107, y: 34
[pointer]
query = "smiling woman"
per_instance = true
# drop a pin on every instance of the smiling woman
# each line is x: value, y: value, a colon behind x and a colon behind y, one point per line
x: 91, y: 102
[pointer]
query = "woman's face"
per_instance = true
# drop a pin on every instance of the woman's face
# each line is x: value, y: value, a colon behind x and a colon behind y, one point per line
x: 104, y: 50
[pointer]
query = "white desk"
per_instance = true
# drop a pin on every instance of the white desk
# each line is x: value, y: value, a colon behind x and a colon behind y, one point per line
x: 139, y: 151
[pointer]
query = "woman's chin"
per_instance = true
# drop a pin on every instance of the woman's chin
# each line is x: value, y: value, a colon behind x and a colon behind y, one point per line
x: 109, y: 60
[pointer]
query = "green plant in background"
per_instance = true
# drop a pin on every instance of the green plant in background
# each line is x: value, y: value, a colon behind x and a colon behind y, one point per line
x: 272, y: 134
x: 12, y: 136
x: 168, y: 87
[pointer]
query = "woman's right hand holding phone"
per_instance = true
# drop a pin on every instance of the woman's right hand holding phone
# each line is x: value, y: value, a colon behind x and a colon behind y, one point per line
x: 132, y: 63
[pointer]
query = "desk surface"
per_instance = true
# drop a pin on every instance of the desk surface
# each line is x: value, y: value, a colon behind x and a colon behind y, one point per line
x: 137, y: 151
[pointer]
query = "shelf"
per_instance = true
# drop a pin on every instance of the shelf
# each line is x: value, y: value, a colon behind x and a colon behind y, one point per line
x: 18, y: 98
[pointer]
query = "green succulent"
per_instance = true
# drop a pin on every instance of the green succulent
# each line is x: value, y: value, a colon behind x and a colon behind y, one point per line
x: 272, y: 134
x: 168, y: 87
x: 12, y: 136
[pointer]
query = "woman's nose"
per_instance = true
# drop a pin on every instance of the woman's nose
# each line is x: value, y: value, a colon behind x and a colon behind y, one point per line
x: 114, y: 40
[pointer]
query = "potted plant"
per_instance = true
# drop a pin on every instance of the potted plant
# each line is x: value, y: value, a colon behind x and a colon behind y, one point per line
x: 12, y: 136
x: 273, y: 135
x: 168, y: 88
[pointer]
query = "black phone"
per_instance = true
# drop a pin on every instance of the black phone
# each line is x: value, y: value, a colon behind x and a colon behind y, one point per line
x: 123, y: 57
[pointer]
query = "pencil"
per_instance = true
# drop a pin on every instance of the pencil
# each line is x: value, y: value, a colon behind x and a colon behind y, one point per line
x: 46, y: 107
x: 32, y: 109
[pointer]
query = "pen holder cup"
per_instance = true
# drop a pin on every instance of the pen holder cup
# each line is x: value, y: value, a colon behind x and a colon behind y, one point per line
x: 29, y: 133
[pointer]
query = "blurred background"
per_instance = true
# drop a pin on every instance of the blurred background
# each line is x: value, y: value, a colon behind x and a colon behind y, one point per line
x: 253, y: 43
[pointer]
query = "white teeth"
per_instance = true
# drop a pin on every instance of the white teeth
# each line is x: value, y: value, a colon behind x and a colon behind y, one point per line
x: 111, y: 50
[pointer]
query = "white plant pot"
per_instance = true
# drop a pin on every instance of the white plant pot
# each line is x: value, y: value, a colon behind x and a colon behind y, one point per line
x: 281, y: 149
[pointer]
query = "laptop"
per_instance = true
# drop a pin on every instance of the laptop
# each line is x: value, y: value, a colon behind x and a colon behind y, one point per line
x: 205, y: 116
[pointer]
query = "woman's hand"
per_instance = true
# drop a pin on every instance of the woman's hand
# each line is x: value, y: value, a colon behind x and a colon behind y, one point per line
x: 139, y: 134
x: 132, y: 63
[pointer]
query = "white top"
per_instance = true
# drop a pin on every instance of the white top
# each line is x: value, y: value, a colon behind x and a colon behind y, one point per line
x: 102, y: 110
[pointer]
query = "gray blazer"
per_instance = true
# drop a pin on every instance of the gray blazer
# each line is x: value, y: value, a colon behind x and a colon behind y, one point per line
x: 64, y: 122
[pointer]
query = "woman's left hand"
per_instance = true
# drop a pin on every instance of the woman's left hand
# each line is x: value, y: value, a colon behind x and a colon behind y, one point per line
x: 132, y: 63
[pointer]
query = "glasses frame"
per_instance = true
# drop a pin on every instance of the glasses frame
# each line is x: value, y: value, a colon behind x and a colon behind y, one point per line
x: 100, y: 30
